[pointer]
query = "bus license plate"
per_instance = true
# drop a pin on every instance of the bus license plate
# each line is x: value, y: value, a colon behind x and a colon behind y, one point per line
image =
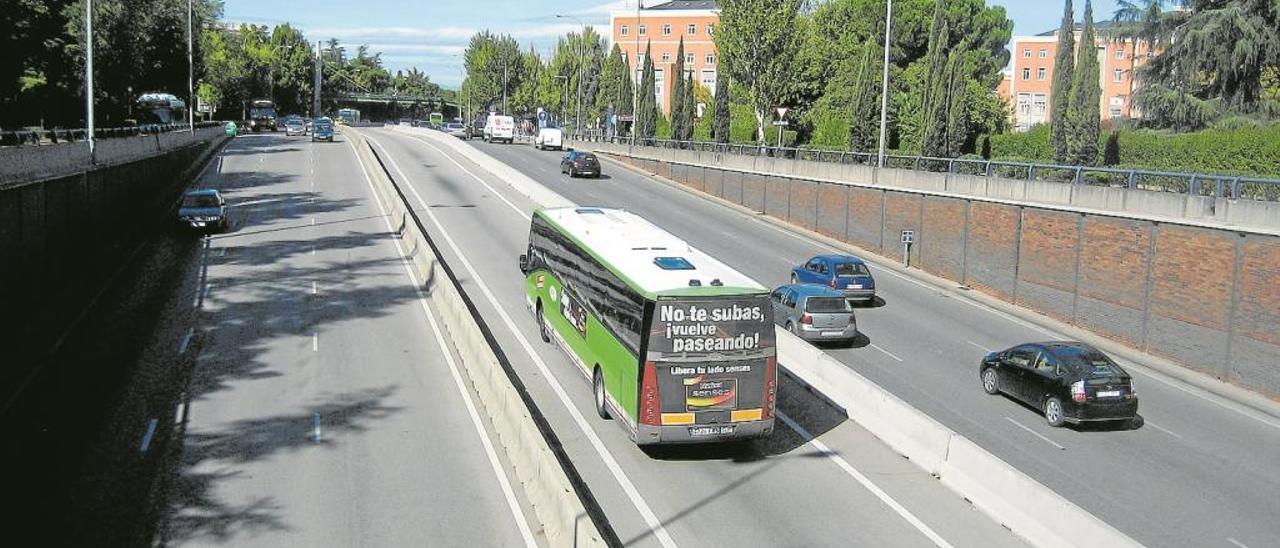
x: 707, y: 431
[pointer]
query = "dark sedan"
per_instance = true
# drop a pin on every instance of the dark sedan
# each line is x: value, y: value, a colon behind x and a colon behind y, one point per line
x: 1070, y: 382
x: 580, y: 163
x: 203, y: 209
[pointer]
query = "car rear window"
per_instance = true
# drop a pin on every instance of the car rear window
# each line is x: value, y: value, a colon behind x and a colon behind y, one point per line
x: 852, y: 269
x: 1092, y: 363
x: 200, y: 201
x: 826, y: 304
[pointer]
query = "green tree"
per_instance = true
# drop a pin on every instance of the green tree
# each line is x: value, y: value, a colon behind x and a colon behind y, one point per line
x: 1064, y: 68
x: 1083, y: 118
x: 493, y: 69
x: 720, y: 130
x: 647, y: 109
x: 679, y: 122
x: 937, y: 85
x: 757, y: 44
x: 687, y: 110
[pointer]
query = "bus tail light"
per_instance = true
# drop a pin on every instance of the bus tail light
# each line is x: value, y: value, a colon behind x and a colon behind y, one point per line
x: 650, y: 412
x: 770, y: 387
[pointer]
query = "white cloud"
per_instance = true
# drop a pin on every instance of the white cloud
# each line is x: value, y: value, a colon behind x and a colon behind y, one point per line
x: 411, y: 48
x: 447, y: 33
x: 608, y: 7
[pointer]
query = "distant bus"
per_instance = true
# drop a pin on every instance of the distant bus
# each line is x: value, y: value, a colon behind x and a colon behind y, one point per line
x: 262, y: 115
x: 437, y: 119
x: 160, y: 108
x: 679, y: 347
x: 349, y: 115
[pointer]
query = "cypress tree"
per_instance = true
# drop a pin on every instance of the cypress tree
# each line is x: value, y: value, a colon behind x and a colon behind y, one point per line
x: 1086, y: 94
x: 957, y: 132
x: 678, y: 91
x: 863, y: 124
x: 626, y: 102
x: 688, y: 109
x: 720, y: 129
x: 1060, y: 94
x: 647, y: 110
x: 933, y: 141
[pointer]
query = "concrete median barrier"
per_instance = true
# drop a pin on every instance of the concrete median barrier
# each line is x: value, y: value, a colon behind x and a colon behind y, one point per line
x: 566, y: 511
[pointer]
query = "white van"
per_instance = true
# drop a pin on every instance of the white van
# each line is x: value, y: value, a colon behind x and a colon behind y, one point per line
x: 549, y: 137
x: 499, y: 128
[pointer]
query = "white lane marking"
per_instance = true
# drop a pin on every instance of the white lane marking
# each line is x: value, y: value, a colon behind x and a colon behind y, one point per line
x: 1204, y: 395
x: 1237, y: 543
x: 313, y: 250
x: 978, y: 346
x: 222, y: 252
x: 180, y: 413
x: 866, y: 482
x: 315, y: 342
x: 498, y: 470
x: 886, y: 352
x: 207, y: 289
x: 315, y: 426
x: 1161, y: 428
x: 314, y: 289
x: 473, y: 175
x: 1036, y: 434
x: 186, y: 341
x: 313, y: 221
x: 146, y: 437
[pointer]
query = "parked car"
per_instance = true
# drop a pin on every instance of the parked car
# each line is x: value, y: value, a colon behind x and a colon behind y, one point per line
x: 549, y: 137
x: 843, y: 272
x: 814, y: 313
x: 456, y: 129
x: 322, y: 130
x: 1069, y: 382
x: 295, y: 127
x: 203, y: 209
x: 580, y: 163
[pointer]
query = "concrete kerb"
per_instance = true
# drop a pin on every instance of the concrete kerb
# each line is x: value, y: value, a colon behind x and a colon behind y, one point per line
x: 544, y: 482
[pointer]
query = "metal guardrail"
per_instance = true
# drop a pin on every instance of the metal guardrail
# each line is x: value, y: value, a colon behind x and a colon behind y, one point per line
x: 1192, y: 184
x: 56, y: 136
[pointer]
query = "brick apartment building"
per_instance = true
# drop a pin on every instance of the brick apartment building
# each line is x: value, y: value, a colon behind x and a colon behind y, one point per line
x: 1028, y: 82
x: 661, y: 27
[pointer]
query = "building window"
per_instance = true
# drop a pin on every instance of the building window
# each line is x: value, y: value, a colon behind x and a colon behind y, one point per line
x: 1040, y: 103
x: 666, y: 29
x: 1119, y: 54
x: 1044, y: 54
x: 643, y: 30
x: 1024, y: 104
x: 709, y: 80
x: 1026, y: 53
x: 692, y: 30
x: 1119, y: 75
x: 1115, y: 113
x: 666, y: 57
x: 1040, y: 73
x: 711, y: 30
x: 688, y: 58
x: 1026, y: 74
x: 625, y: 30
x: 711, y: 59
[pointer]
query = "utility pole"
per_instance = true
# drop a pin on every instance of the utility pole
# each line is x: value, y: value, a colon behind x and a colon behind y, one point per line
x: 88, y: 77
x: 505, y: 82
x: 191, y: 71
x: 884, y: 85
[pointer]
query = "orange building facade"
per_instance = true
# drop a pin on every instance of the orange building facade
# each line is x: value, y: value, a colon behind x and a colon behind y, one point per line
x: 1028, y: 83
x: 661, y: 27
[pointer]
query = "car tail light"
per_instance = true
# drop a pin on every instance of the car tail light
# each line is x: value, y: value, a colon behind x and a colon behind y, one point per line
x: 832, y: 283
x: 806, y: 319
x: 1077, y: 391
x: 1133, y: 392
x: 853, y: 319
x: 770, y: 387
x: 649, y: 404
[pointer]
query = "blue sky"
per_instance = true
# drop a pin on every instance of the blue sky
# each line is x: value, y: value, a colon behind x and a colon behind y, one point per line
x: 431, y: 35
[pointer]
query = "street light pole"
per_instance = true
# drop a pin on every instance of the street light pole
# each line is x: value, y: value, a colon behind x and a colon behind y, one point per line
x: 884, y: 85
x: 191, y: 70
x: 88, y: 77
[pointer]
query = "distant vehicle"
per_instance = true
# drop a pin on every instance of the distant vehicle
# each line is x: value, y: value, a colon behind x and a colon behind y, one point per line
x: 580, y: 163
x: 406, y: 122
x: 437, y: 119
x: 160, y: 108
x: 322, y: 130
x: 456, y: 129
x: 1069, y: 382
x: 307, y: 123
x: 549, y: 137
x: 499, y: 128
x: 203, y: 209
x: 262, y: 115
x: 295, y: 126
x: 349, y: 115
x: 814, y: 313
x: 678, y: 346
x: 843, y: 272
x: 476, y: 128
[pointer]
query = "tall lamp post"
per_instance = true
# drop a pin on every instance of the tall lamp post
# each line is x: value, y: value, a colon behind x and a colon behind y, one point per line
x: 88, y: 77
x: 884, y: 84
x: 191, y: 70
x: 582, y: 42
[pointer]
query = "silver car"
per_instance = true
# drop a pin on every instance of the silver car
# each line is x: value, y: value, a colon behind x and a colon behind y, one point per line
x: 814, y: 313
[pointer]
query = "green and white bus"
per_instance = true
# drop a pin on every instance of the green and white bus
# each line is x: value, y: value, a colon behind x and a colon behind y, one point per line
x: 679, y: 347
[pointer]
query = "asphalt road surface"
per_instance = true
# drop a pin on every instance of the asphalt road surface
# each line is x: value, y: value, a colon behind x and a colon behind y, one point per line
x: 844, y: 489
x: 1202, y: 471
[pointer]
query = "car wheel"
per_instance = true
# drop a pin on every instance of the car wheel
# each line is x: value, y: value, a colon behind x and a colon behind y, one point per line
x: 542, y: 324
x: 792, y: 328
x: 990, y: 381
x: 597, y: 390
x: 1053, y: 412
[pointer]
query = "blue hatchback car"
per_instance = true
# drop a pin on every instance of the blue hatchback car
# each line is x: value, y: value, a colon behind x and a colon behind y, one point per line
x: 845, y: 273
x: 203, y: 209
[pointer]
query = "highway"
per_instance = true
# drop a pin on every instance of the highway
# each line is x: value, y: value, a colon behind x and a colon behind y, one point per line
x: 323, y: 408
x: 845, y: 488
x: 1202, y: 471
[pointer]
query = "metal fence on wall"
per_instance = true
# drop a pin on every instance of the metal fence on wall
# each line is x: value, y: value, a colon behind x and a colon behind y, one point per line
x: 54, y: 136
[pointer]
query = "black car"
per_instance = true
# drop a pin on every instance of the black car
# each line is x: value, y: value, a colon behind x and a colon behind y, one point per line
x: 580, y: 163
x: 1070, y: 382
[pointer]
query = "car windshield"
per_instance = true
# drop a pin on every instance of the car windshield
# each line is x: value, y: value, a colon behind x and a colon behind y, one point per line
x: 202, y: 200
x: 826, y: 304
x: 852, y: 269
x: 1093, y: 363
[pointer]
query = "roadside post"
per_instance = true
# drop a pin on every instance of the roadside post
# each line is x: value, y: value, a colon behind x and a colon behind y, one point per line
x: 908, y: 238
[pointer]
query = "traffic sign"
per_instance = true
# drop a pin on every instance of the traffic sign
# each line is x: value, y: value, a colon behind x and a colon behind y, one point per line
x: 782, y: 111
x: 781, y: 123
x: 908, y: 236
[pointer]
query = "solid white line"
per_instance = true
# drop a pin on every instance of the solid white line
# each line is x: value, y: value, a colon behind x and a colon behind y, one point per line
x: 315, y: 428
x: 315, y: 342
x: 186, y: 341
x: 866, y: 482
x: 979, y: 347
x: 180, y: 413
x: 473, y: 175
x: 1237, y: 543
x: 146, y: 438
x: 1161, y: 428
x: 886, y: 352
x: 1199, y: 393
x: 1036, y: 434
x: 476, y: 422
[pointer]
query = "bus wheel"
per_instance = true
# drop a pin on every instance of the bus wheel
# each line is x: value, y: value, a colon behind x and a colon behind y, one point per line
x: 542, y: 324
x: 597, y: 389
